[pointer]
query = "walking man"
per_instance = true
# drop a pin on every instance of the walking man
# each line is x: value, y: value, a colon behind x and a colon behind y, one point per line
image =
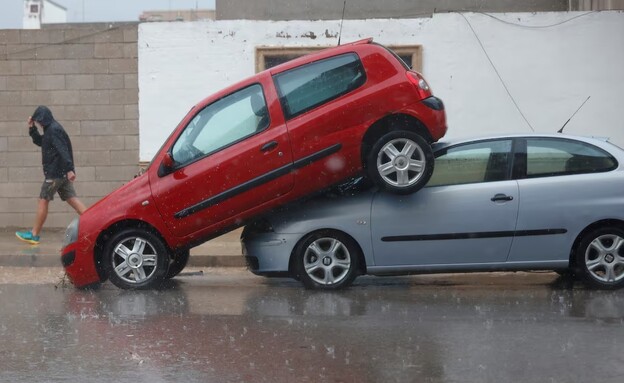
x: 58, y: 169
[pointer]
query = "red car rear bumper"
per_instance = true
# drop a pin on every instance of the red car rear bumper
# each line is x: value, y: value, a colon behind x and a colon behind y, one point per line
x: 430, y: 112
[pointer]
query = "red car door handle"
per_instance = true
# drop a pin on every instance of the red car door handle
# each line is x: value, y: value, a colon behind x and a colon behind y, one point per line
x: 501, y: 197
x: 268, y: 146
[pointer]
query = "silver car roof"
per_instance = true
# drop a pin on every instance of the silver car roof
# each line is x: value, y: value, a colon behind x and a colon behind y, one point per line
x: 598, y: 141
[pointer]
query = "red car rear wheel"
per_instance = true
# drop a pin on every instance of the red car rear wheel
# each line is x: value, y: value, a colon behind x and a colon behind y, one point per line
x: 400, y: 162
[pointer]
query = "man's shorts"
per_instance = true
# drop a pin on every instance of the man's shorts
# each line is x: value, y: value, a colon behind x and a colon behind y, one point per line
x: 62, y: 186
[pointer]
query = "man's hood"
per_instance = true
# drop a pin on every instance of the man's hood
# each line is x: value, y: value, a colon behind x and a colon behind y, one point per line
x: 43, y: 115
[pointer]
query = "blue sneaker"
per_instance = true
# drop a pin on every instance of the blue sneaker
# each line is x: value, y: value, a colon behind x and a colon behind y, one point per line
x: 27, y: 236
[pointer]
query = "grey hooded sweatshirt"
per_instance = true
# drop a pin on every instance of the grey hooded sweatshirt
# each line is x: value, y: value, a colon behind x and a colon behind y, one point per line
x: 56, y: 148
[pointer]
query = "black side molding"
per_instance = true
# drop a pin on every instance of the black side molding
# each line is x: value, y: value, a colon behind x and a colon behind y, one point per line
x: 488, y: 234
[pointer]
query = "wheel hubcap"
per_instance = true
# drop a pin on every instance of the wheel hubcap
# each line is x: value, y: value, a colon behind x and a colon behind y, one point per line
x: 604, y: 260
x: 327, y: 261
x: 134, y: 260
x: 401, y: 162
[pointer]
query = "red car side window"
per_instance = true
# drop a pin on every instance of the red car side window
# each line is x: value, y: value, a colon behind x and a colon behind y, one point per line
x: 304, y: 88
x: 221, y: 124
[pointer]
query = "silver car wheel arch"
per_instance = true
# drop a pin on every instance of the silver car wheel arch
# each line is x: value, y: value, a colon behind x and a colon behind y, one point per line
x: 603, y: 262
x: 401, y: 162
x: 320, y: 258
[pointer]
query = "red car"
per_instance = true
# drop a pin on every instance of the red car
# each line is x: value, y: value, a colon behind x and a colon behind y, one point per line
x: 280, y: 135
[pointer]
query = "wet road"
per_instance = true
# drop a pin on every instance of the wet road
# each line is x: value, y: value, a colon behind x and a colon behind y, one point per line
x: 229, y: 326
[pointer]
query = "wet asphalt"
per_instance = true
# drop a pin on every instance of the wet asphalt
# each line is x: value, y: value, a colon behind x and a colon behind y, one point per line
x: 230, y: 326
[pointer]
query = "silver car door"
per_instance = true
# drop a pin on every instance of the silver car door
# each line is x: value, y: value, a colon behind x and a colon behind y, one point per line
x: 469, y: 219
x: 570, y: 185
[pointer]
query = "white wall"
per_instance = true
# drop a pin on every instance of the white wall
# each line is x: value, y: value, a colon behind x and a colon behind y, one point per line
x: 549, y: 71
x: 53, y: 13
x: 31, y: 20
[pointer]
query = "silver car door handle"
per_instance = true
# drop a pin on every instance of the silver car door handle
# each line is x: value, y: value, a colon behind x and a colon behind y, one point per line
x: 501, y: 197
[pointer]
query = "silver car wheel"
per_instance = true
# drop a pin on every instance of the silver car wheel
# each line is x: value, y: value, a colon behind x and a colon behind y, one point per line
x: 604, y: 260
x: 134, y: 260
x: 401, y: 162
x: 327, y: 261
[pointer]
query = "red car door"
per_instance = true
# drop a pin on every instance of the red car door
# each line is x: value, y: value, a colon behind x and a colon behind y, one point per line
x: 228, y: 159
x: 323, y: 104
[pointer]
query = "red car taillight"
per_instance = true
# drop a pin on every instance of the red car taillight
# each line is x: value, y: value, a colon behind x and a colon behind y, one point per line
x: 421, y: 85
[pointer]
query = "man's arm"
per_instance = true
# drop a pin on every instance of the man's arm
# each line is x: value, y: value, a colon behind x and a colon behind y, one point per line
x: 34, y: 132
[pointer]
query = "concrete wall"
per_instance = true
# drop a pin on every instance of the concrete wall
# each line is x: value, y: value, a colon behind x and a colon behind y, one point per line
x: 596, y: 5
x: 368, y: 9
x: 178, y: 15
x: 549, y: 71
x: 88, y: 77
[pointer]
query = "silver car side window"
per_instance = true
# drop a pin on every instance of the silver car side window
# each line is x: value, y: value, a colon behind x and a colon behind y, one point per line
x: 486, y: 161
x: 552, y: 157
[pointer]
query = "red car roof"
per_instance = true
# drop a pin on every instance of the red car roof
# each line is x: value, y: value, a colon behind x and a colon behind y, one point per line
x: 317, y: 56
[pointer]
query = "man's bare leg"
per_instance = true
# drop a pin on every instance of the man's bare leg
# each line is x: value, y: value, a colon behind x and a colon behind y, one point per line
x: 42, y: 214
x: 77, y: 205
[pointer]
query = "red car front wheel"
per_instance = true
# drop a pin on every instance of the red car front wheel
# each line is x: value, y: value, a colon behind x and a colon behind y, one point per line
x: 136, y: 259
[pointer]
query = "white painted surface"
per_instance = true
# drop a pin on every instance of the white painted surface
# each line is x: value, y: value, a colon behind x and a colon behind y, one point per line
x: 549, y: 71
x: 53, y: 13
x: 32, y: 14
x: 47, y: 13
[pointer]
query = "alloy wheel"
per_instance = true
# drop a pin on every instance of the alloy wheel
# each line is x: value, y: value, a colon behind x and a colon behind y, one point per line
x: 401, y: 162
x: 327, y: 261
x: 604, y: 260
x: 134, y: 260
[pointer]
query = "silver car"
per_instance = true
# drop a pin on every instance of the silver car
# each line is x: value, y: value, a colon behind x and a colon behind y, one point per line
x: 518, y: 202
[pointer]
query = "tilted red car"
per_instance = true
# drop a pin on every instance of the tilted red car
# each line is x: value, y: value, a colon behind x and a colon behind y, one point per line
x: 280, y: 135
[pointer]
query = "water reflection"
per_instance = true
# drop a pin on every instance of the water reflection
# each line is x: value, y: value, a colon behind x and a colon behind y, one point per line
x: 391, y: 329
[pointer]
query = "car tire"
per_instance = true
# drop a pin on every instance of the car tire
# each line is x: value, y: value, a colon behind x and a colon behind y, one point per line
x: 400, y: 162
x: 178, y: 263
x: 327, y: 260
x: 147, y: 254
x: 600, y: 258
x: 565, y: 273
